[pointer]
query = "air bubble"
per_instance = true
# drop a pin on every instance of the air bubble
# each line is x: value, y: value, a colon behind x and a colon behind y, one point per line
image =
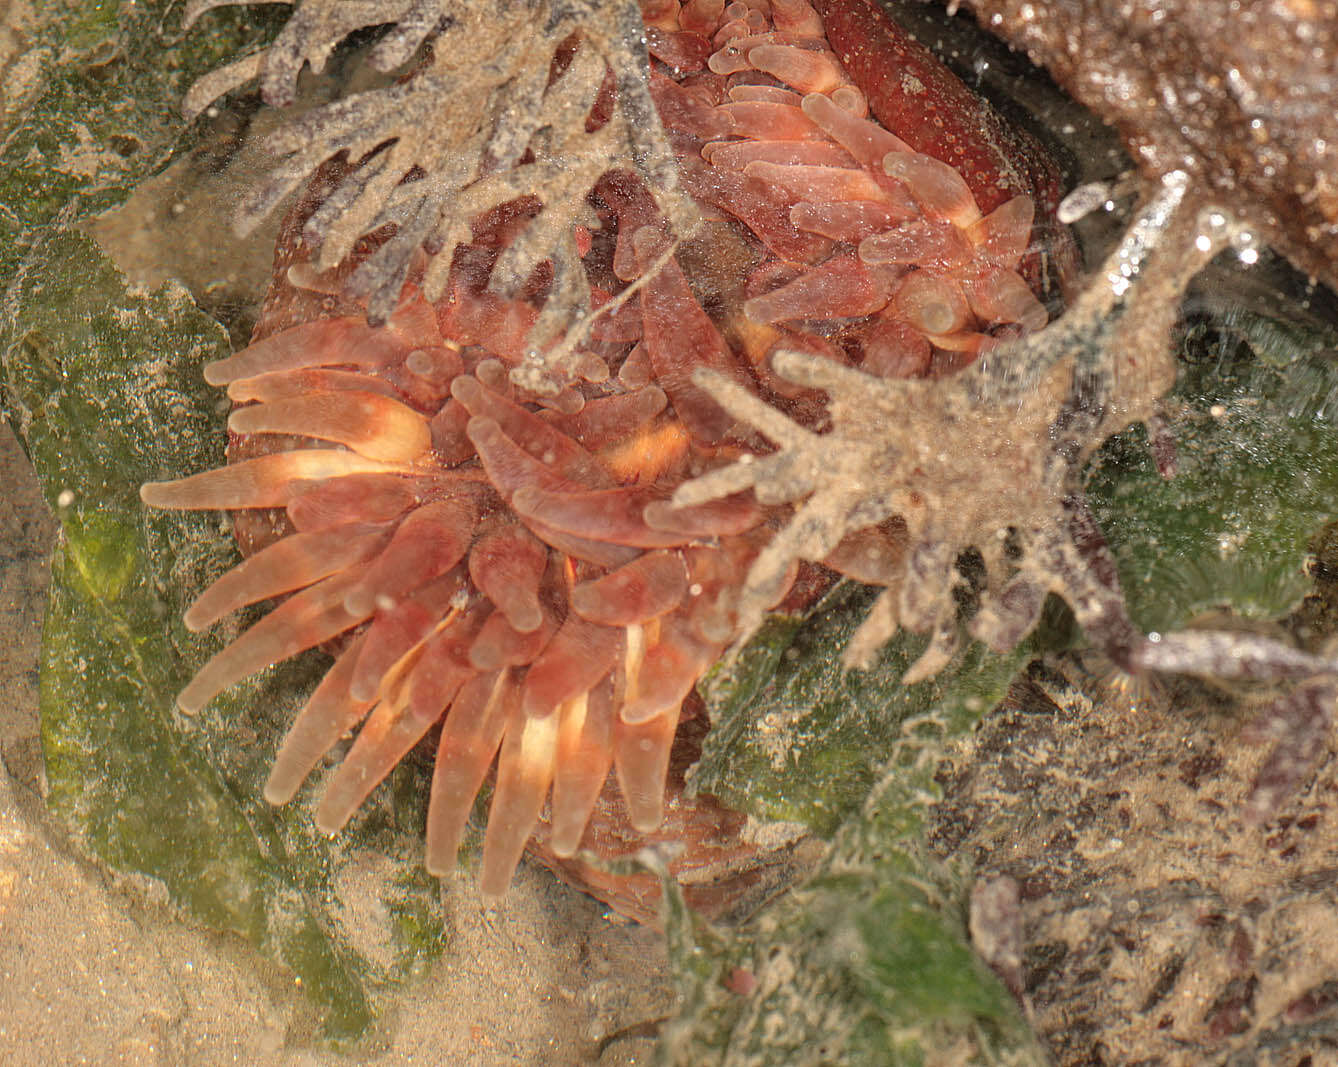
x: 1246, y: 244
x: 1083, y: 201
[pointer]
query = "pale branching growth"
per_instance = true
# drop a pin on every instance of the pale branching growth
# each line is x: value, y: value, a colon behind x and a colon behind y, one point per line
x: 532, y: 98
x: 314, y: 31
x: 959, y: 475
x: 985, y: 469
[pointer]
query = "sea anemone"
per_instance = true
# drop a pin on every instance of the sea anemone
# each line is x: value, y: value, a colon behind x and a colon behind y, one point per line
x: 502, y: 556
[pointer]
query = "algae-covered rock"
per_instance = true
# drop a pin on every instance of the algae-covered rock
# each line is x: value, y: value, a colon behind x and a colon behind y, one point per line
x: 869, y: 961
x: 1254, y: 422
x: 102, y: 382
x: 94, y: 106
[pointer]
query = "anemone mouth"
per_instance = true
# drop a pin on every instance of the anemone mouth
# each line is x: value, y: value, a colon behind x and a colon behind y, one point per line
x: 502, y: 567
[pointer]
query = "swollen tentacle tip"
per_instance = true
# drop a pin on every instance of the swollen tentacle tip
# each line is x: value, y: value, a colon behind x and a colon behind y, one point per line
x: 365, y: 689
x: 189, y: 705
x: 640, y: 712
x: 216, y: 373
x: 566, y: 844
x: 159, y: 494
x: 528, y: 501
x: 360, y: 602
x: 211, y: 680
x: 591, y: 368
x: 648, y: 819
x: 493, y: 891
x: 279, y: 792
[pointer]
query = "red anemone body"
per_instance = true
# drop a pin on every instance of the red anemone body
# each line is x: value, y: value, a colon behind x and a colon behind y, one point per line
x: 501, y: 571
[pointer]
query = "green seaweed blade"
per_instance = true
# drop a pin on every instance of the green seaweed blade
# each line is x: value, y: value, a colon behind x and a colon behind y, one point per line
x: 102, y: 383
x: 796, y: 738
x: 1254, y: 420
x: 104, y: 371
x: 869, y: 961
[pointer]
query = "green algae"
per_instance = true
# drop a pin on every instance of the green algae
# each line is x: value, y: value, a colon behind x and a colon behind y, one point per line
x: 797, y: 738
x: 102, y: 383
x: 868, y: 962
x: 1254, y: 419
